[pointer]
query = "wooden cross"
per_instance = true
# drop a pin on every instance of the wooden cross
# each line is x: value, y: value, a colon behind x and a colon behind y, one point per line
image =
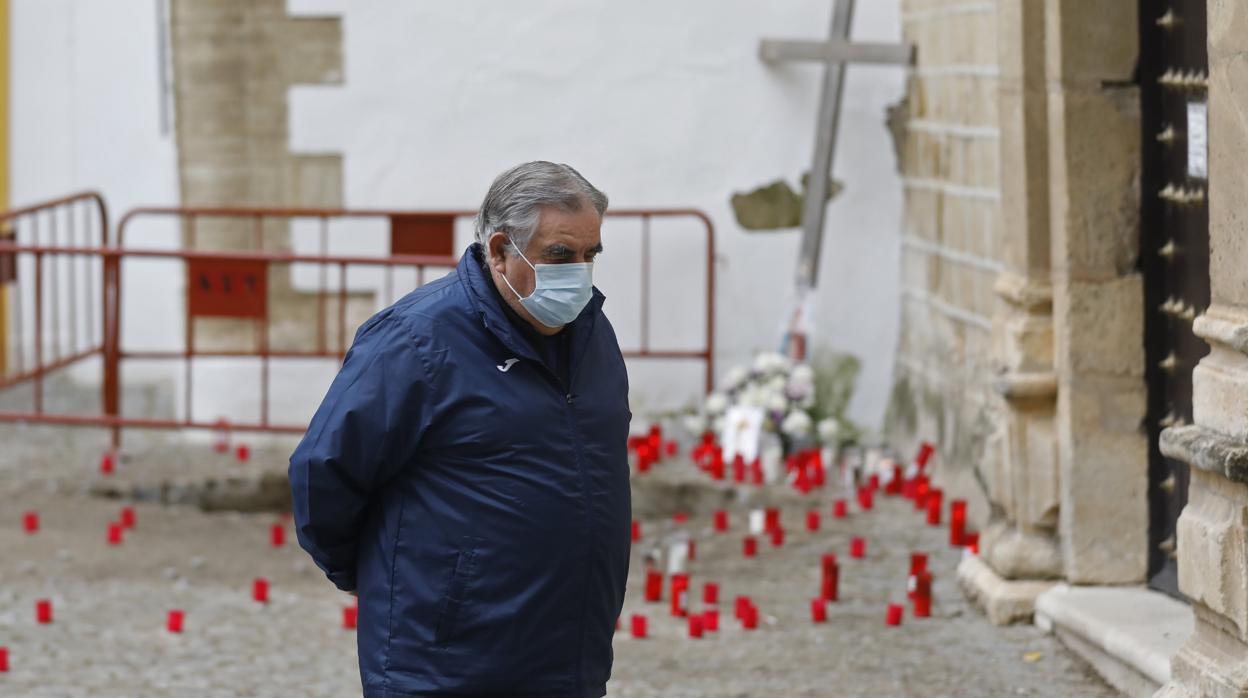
x: 835, y: 54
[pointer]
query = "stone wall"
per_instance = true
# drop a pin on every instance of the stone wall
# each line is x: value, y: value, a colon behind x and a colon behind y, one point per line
x: 952, y: 252
x: 1022, y: 337
x: 234, y: 62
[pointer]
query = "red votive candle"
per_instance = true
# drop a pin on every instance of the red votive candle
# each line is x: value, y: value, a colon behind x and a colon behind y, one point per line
x: 350, y: 617
x: 756, y: 471
x: 114, y: 534
x: 957, y: 521
x: 840, y: 508
x: 277, y: 535
x: 926, y: 449
x: 43, y: 611
x: 717, y: 463
x: 923, y: 595
x: 672, y: 448
x: 173, y: 623
x: 749, y: 546
x: 857, y: 548
x: 818, y: 610
x: 4, y: 659
x: 873, y: 483
x: 30, y: 522
x: 894, y: 614
x: 777, y: 537
x: 894, y: 486
x: 693, y: 550
x: 749, y: 616
x: 738, y: 468
x: 918, y: 563
x: 831, y: 580
x: 695, y: 626
x: 680, y: 595
x: 654, y: 585
x: 866, y: 498
x: 721, y: 520
x: 935, y: 502
x: 679, y: 518
x: 710, y: 593
x: 260, y: 589
x: 243, y: 453
x: 107, y: 464
x: 971, y: 540
x: 710, y: 620
x: 636, y: 530
x: 127, y: 517
x: 812, y: 521
x: 739, y: 606
x: 639, y: 626
x: 921, y: 491
x: 772, y: 520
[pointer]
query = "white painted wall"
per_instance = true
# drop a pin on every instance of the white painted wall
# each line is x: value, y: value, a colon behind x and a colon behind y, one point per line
x: 86, y: 108
x: 659, y: 103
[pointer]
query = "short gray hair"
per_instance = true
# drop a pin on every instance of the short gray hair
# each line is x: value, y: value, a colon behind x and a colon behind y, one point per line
x: 515, y: 200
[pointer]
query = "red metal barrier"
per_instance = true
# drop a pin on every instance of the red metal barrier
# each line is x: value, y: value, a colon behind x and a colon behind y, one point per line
x: 59, y: 309
x: 236, y: 285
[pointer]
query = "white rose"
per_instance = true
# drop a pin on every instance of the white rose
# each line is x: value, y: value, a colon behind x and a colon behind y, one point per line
x: 802, y: 373
x: 798, y: 423
x: 716, y: 403
x: 777, y: 384
x: 694, y: 423
x: 770, y: 362
x: 776, y: 402
x: 829, y: 429
x: 735, y: 377
x: 752, y: 396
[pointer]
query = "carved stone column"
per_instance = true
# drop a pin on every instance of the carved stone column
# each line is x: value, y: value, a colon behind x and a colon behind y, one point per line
x: 1019, y: 543
x: 1094, y: 161
x: 1213, y: 528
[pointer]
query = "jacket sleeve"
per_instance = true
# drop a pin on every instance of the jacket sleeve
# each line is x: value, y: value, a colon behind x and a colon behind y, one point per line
x: 366, y: 429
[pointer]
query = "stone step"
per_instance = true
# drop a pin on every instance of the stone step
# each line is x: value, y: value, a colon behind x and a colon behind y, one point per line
x: 1128, y: 634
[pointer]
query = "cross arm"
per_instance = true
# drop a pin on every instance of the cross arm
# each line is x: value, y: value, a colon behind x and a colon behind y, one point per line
x: 782, y: 51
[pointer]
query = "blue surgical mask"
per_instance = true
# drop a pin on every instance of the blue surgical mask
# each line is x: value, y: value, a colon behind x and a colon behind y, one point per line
x: 560, y: 293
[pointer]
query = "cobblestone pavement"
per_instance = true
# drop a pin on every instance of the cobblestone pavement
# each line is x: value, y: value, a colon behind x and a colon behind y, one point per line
x: 108, y: 635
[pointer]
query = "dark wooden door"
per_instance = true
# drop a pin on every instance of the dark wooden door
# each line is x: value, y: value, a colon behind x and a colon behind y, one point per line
x: 1174, y: 246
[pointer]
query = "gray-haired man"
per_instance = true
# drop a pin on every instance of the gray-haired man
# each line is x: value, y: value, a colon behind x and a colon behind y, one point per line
x: 467, y: 472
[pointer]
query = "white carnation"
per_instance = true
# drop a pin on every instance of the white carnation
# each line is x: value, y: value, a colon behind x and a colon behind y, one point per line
x: 776, y: 402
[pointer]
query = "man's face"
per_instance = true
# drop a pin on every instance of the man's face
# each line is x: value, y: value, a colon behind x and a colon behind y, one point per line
x: 561, y: 238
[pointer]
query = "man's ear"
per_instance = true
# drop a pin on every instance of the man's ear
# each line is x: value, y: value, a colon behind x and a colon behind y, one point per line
x: 496, y: 249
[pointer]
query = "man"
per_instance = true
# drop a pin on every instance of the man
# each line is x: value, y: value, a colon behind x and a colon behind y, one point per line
x: 466, y: 474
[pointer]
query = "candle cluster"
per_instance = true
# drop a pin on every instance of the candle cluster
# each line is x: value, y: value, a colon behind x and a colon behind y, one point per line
x: 806, y: 472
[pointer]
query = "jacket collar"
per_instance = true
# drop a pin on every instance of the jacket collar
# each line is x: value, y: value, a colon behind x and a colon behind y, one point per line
x: 485, y: 302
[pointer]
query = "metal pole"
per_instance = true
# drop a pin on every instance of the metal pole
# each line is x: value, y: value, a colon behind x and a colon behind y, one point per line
x: 815, y: 205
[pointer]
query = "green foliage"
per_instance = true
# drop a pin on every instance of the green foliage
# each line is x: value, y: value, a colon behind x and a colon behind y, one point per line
x: 835, y: 378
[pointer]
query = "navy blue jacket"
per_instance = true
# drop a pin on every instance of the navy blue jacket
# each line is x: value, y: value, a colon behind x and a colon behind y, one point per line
x: 479, y: 506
